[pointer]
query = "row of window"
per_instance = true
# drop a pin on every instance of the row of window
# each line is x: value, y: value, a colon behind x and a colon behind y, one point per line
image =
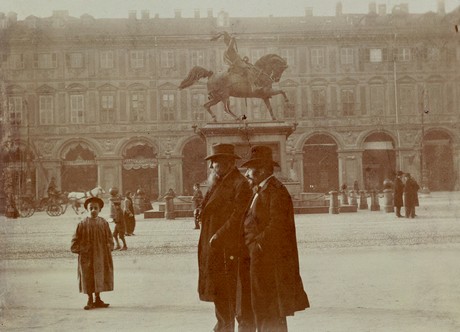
x: 409, y: 102
x: 137, y: 58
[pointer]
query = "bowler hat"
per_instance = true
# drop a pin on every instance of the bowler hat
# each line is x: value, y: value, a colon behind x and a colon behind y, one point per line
x: 94, y: 199
x: 260, y: 155
x: 223, y: 150
x: 399, y: 173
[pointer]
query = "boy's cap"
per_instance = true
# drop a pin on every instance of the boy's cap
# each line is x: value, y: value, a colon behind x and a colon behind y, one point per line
x: 94, y: 199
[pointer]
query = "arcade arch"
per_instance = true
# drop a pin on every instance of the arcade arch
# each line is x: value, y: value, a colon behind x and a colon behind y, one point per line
x: 78, y: 167
x: 194, y: 166
x: 438, y: 161
x: 379, y: 160
x: 320, y: 164
x: 140, y: 168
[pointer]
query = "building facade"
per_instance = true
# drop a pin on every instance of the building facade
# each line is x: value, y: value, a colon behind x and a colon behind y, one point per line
x: 96, y: 101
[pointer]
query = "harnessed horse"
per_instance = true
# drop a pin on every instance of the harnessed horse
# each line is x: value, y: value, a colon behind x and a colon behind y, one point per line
x: 266, y: 71
x: 76, y: 198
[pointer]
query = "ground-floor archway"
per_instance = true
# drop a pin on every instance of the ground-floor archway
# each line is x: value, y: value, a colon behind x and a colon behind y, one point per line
x: 320, y: 164
x: 79, y: 169
x: 438, y: 161
x: 194, y: 167
x: 140, y: 169
x: 379, y: 160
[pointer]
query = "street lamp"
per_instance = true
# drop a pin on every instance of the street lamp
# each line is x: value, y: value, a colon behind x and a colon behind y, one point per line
x: 423, y: 175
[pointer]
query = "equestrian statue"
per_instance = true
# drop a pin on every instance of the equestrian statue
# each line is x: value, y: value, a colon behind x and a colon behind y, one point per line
x: 242, y: 79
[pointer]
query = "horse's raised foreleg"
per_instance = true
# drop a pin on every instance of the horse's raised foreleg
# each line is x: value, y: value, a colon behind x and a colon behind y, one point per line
x: 269, y: 107
x: 208, y: 105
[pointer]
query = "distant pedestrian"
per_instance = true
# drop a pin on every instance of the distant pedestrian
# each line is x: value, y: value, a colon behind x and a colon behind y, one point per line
x: 128, y: 214
x: 196, y: 203
x: 93, y: 243
x: 398, y: 193
x: 356, y: 186
x: 120, y: 226
x: 269, y: 282
x: 411, y: 188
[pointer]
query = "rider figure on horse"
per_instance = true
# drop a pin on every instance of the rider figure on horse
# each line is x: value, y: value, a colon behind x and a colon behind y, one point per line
x: 238, y: 65
x: 53, y: 193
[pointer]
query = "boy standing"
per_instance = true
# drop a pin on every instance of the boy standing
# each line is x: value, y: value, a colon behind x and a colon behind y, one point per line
x: 120, y: 226
x: 196, y: 203
x: 93, y: 243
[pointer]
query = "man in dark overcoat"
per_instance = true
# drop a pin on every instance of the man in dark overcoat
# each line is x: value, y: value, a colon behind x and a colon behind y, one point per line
x: 411, y: 188
x: 398, y: 193
x: 221, y: 214
x: 269, y: 278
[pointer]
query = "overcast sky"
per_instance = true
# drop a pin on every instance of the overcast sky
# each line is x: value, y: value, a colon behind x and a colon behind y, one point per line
x: 236, y: 8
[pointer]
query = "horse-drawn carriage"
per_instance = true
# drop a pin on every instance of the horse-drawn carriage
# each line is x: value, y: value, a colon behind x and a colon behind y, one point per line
x: 53, y: 205
x: 56, y: 204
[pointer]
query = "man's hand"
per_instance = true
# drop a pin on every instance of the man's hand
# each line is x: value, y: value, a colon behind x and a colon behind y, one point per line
x: 196, y: 212
x: 212, y: 241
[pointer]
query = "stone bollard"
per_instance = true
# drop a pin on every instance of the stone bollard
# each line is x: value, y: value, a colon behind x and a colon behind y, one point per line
x: 363, y: 200
x: 388, y: 200
x: 344, y: 197
x: 353, y: 200
x: 375, y: 206
x: 334, y: 203
x: 169, y: 207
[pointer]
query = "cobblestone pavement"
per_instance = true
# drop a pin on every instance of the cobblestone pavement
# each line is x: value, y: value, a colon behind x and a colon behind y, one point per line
x: 364, y: 271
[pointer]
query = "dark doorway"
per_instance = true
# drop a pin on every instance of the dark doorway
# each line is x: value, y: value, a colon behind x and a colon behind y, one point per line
x: 194, y: 167
x: 438, y: 161
x: 379, y: 160
x: 140, y: 169
x: 79, y: 170
x: 320, y: 164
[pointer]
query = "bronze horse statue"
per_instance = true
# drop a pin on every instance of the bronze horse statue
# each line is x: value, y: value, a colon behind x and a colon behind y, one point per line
x: 267, y: 70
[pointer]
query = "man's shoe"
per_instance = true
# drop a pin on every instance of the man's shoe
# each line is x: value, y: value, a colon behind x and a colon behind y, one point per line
x: 100, y: 304
x: 124, y: 248
x: 117, y: 248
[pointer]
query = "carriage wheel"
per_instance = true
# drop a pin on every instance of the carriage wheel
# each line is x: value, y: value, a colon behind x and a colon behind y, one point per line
x: 54, y: 210
x: 25, y: 209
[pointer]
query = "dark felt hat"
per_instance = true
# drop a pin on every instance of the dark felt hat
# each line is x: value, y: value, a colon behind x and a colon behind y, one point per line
x: 260, y: 155
x: 399, y: 173
x: 93, y: 199
x: 223, y: 150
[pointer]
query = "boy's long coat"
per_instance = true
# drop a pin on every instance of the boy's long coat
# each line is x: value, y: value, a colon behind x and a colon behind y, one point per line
x: 93, y: 243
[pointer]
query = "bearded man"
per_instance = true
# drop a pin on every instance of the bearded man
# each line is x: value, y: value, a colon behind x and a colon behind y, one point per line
x: 221, y: 214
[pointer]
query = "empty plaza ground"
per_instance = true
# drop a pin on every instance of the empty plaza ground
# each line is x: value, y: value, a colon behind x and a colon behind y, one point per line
x: 363, y: 271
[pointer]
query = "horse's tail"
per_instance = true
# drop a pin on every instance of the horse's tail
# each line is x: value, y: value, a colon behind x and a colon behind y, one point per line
x: 195, y: 74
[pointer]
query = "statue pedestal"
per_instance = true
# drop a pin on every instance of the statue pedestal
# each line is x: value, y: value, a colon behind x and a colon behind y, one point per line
x: 245, y: 134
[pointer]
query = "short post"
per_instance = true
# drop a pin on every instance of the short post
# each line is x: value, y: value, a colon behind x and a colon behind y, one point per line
x: 169, y: 206
x: 363, y: 200
x: 334, y: 202
x: 353, y: 200
x: 375, y: 206
x: 388, y: 200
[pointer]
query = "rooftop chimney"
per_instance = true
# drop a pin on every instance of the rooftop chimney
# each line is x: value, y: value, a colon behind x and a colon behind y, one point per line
x: 210, y: 13
x: 372, y: 8
x: 441, y: 7
x: 338, y: 9
x: 197, y: 13
x: 177, y: 13
x: 382, y: 9
x: 308, y: 11
x: 145, y: 14
x: 132, y: 14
